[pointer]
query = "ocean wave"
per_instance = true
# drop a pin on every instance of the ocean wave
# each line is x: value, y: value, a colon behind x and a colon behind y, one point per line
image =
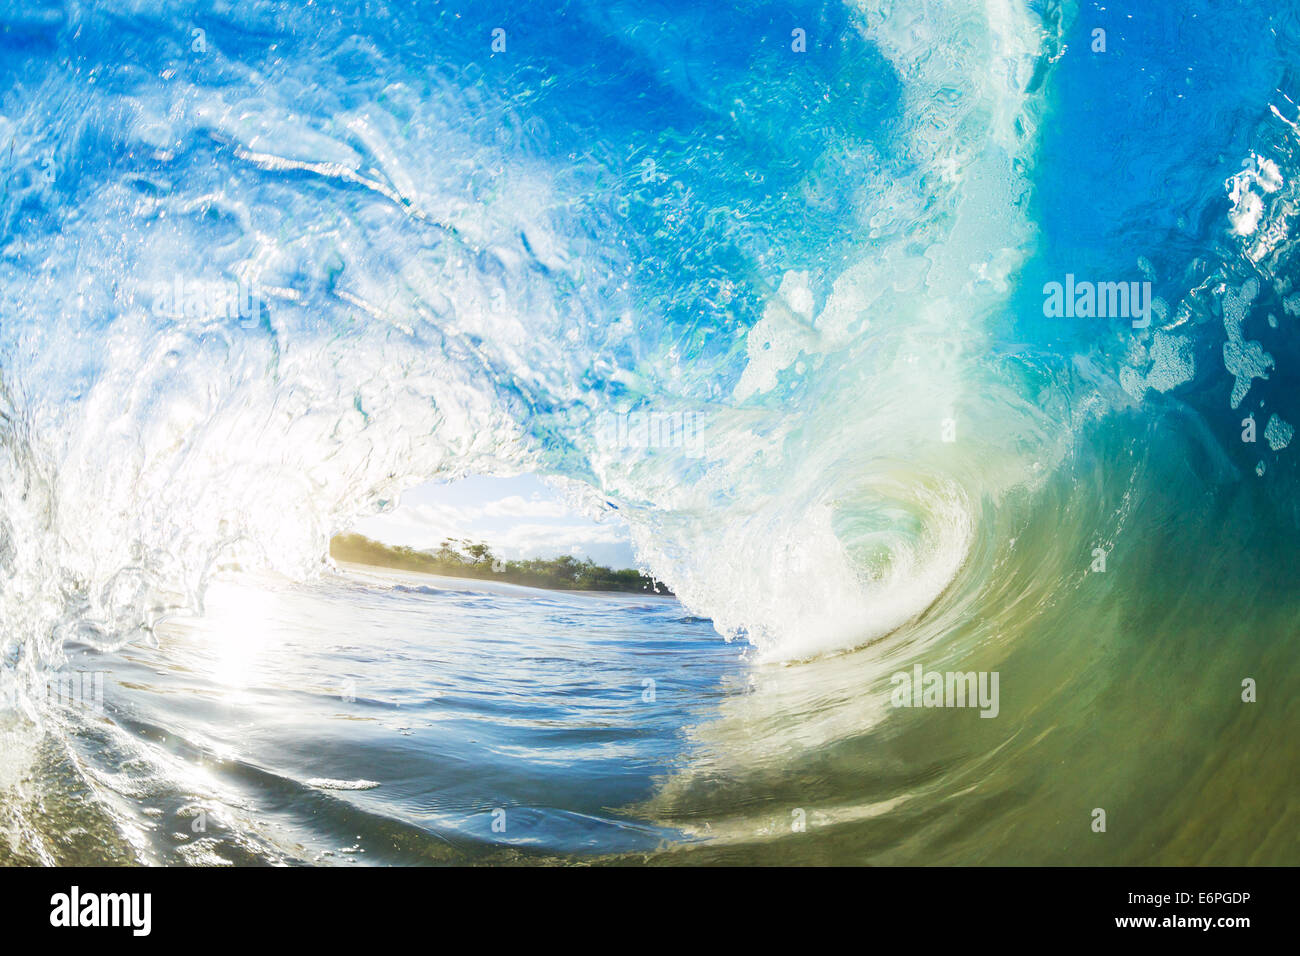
x: 260, y: 280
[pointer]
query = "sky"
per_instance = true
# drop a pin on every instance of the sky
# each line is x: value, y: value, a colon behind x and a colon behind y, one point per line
x: 519, y: 517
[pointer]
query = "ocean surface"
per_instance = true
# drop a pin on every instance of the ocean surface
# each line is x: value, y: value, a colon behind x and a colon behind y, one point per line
x: 774, y: 283
x: 379, y: 717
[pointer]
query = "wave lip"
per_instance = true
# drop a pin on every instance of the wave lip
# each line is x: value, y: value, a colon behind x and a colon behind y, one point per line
x: 414, y: 323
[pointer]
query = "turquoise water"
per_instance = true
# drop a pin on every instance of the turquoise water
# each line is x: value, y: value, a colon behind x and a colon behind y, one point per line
x: 265, y: 267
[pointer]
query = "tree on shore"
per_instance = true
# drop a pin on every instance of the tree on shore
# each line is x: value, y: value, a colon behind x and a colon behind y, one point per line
x: 464, y: 558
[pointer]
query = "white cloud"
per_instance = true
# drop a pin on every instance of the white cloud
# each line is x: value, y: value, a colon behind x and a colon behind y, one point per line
x: 517, y: 506
x: 539, y: 525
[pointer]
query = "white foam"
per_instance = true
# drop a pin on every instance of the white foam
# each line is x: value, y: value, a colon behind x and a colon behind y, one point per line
x: 1279, y: 432
x: 325, y: 783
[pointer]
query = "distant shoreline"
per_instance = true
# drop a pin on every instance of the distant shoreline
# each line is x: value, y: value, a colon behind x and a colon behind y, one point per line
x: 463, y: 559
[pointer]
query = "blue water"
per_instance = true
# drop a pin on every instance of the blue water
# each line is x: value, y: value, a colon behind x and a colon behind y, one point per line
x: 265, y: 267
x: 388, y: 718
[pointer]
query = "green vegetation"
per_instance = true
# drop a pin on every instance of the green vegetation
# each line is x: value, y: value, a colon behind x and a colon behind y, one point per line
x: 465, y: 559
